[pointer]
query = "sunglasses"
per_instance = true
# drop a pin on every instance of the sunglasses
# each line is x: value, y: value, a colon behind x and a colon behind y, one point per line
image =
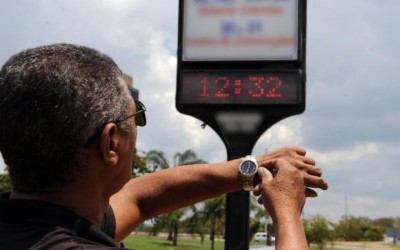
x: 140, y: 120
x: 140, y: 115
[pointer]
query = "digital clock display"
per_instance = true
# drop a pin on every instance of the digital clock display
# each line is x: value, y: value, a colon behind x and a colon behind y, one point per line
x: 240, y: 88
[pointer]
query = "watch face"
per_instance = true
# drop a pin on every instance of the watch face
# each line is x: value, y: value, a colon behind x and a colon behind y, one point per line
x: 248, y: 168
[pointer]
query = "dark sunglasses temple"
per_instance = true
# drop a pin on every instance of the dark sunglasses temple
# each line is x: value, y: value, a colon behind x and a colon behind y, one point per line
x: 140, y: 115
x: 140, y: 120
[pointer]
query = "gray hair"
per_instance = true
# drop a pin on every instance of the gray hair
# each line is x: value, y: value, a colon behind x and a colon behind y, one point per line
x: 52, y: 99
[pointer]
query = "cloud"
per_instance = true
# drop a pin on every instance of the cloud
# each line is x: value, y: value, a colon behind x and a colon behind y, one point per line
x: 334, y: 206
x: 352, y: 67
x: 2, y: 164
x: 351, y: 122
x: 366, y: 169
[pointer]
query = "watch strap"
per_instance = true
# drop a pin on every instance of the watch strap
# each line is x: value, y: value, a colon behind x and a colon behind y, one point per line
x: 247, y: 183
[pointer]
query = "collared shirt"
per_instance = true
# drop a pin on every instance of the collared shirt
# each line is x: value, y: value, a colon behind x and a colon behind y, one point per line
x: 29, y: 224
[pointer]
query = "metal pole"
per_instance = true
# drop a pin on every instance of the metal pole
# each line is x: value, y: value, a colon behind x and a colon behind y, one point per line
x: 237, y: 210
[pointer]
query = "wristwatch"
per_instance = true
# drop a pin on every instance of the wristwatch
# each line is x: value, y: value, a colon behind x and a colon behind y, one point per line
x: 248, y: 168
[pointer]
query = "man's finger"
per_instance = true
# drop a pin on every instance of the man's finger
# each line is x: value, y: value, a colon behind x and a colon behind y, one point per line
x: 311, y: 169
x: 264, y: 174
x: 311, y: 193
x: 300, y: 151
x: 315, y: 182
x: 309, y: 160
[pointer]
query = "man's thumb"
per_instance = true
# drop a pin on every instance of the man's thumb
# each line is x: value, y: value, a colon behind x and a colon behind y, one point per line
x: 264, y: 174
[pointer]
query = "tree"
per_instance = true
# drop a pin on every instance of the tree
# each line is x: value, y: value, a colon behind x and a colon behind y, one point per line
x: 214, y: 211
x: 5, y: 184
x: 349, y: 229
x: 396, y: 226
x: 373, y: 233
x: 391, y: 225
x: 195, y: 224
x: 385, y: 222
x: 139, y: 166
x: 211, y: 214
x: 157, y: 160
x: 188, y: 157
x: 357, y: 229
x: 169, y: 221
x: 317, y: 231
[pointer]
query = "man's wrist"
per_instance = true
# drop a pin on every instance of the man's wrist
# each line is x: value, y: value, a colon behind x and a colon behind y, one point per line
x: 285, y: 217
x: 290, y: 234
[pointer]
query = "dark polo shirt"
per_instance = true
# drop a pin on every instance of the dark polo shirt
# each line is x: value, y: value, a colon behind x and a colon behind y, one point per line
x: 27, y: 224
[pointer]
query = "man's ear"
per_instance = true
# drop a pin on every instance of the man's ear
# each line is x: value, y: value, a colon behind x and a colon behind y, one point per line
x: 109, y: 143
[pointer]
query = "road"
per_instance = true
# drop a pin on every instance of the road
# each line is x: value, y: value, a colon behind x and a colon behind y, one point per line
x: 336, y: 246
x: 262, y: 248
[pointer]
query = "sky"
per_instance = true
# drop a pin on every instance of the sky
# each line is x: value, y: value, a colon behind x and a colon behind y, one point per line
x: 351, y: 122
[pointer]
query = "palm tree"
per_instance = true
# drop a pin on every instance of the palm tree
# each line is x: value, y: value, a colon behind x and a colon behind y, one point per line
x: 215, y: 212
x: 188, y: 157
x: 195, y: 224
x: 209, y: 213
x: 157, y: 160
x: 169, y: 221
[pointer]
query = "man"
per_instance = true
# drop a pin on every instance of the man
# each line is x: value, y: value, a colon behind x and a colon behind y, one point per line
x: 68, y: 132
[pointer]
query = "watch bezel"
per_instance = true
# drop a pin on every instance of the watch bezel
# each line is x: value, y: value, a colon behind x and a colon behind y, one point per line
x: 248, y: 178
x: 243, y: 164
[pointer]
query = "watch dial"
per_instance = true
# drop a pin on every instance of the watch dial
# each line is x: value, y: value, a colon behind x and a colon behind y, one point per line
x: 248, y: 168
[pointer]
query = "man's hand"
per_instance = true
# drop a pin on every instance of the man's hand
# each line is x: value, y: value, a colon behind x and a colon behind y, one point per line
x: 284, y: 195
x: 296, y: 157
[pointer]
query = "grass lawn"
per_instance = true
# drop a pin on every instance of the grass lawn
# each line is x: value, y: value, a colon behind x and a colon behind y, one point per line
x: 160, y: 243
x: 369, y: 245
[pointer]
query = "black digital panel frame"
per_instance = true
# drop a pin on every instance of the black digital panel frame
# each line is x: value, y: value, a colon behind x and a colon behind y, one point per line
x: 266, y: 85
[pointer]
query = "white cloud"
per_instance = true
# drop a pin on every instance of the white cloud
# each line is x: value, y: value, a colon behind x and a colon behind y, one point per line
x: 2, y: 164
x: 289, y: 133
x: 286, y: 132
x: 352, y: 154
x: 334, y: 206
x: 352, y: 118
